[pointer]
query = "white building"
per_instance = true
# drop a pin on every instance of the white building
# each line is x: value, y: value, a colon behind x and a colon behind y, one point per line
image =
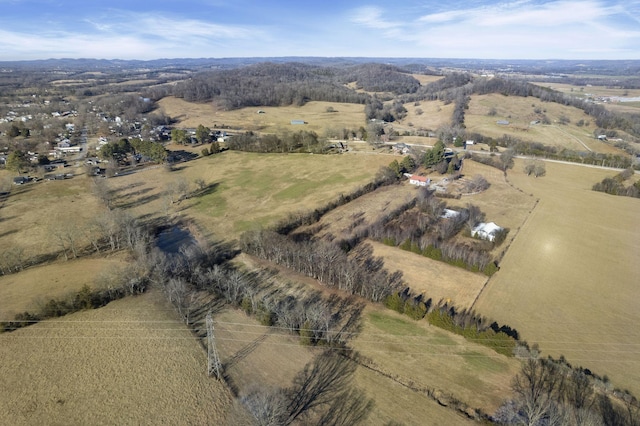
x: 486, y: 231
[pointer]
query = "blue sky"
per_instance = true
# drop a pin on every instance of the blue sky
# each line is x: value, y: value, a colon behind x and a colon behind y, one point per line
x: 520, y: 29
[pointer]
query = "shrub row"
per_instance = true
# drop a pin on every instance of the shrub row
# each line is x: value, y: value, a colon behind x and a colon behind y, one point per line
x: 83, y: 299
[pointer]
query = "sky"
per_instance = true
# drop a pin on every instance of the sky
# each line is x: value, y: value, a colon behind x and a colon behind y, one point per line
x: 480, y: 29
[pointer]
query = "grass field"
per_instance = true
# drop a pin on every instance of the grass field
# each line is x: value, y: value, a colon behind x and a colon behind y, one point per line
x: 591, y: 91
x: 130, y: 362
x: 520, y: 112
x: 254, y: 356
x: 430, y: 357
x: 569, y: 280
x: 35, y: 212
x: 273, y: 120
x: 246, y: 190
x: 434, y: 279
x: 23, y: 291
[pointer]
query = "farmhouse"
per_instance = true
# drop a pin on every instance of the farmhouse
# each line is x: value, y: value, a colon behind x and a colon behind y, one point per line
x: 503, y: 122
x: 401, y: 148
x: 419, y: 180
x: 486, y: 231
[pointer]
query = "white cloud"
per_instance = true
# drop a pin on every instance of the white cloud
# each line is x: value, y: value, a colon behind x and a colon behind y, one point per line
x: 131, y: 36
x: 518, y: 29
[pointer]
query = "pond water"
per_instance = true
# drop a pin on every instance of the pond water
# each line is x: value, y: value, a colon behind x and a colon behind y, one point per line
x: 171, y: 239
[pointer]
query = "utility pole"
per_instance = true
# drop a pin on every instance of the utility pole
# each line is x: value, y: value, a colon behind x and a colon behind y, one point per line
x: 213, y: 361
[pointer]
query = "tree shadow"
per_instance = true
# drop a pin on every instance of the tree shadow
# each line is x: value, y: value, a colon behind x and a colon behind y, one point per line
x: 207, y: 190
x: 13, y: 231
x: 139, y: 202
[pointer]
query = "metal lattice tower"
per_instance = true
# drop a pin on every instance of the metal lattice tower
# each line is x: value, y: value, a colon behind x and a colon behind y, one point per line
x: 213, y: 361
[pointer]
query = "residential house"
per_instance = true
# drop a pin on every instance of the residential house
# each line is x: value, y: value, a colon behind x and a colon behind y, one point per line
x: 486, y: 231
x: 419, y: 180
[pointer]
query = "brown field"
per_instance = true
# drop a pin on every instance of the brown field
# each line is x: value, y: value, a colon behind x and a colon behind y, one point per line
x: 569, y: 280
x: 582, y: 91
x: 274, y: 119
x: 130, y: 362
x: 519, y: 112
x: 426, y: 79
x: 247, y: 190
x: 256, y: 356
x: 434, y: 115
x: 436, y: 280
x: 24, y: 290
x: 35, y: 212
x: 371, y: 207
x: 414, y: 351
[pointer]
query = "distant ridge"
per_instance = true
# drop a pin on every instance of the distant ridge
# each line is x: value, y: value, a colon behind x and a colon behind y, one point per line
x: 603, y: 67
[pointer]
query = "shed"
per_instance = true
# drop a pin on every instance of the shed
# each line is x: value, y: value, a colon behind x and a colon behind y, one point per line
x: 298, y: 122
x: 503, y: 122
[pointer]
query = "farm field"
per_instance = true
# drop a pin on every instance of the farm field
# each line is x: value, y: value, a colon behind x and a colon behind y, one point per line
x: 520, y: 113
x: 254, y: 356
x: 273, y: 120
x: 50, y: 208
x: 583, y: 91
x: 434, y: 114
x: 569, y: 280
x: 436, y: 280
x: 130, y: 362
x: 414, y: 351
x: 24, y: 290
x: 339, y: 223
x: 244, y: 190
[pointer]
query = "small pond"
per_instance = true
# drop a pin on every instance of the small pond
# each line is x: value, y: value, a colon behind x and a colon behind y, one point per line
x: 170, y: 240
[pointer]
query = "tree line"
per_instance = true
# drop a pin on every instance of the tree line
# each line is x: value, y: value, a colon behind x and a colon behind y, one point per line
x: 616, y: 185
x: 550, y: 392
x: 358, y: 273
x: 301, y: 141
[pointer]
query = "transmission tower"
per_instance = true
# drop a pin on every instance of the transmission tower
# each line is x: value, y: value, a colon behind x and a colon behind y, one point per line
x: 213, y: 361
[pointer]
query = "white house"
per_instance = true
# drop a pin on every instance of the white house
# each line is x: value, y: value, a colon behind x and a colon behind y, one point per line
x: 486, y: 231
x: 419, y: 180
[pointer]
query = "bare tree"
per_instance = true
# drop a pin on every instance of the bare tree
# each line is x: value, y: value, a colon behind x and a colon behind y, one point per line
x: 536, y: 388
x: 319, y: 384
x: 267, y: 406
x: 102, y: 192
x: 178, y: 190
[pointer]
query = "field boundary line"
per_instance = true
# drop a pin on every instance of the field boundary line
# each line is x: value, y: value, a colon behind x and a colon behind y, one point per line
x: 436, y: 395
x: 508, y: 246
